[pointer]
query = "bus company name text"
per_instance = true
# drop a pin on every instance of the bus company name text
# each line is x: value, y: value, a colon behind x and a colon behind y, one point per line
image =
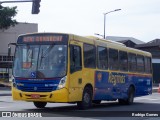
x: 115, y: 79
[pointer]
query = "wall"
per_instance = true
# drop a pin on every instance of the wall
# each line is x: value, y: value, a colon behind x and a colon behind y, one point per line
x: 10, y: 35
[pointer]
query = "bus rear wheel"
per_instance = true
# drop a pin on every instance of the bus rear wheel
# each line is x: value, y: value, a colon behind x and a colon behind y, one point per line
x: 121, y: 101
x: 86, y: 99
x: 130, y: 98
x: 96, y: 101
x: 40, y: 104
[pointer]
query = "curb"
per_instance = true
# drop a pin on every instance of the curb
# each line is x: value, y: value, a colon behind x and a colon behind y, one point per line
x: 5, y: 91
x: 3, y: 84
x: 5, y: 88
x: 154, y: 90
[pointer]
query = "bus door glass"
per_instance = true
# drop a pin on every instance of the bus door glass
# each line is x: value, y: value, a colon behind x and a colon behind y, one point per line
x: 76, y: 80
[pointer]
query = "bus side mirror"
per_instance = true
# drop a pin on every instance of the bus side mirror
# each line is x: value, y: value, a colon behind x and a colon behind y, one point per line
x: 9, y: 48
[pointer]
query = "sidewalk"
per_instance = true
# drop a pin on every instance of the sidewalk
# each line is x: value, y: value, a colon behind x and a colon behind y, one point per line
x: 5, y: 91
x: 155, y: 89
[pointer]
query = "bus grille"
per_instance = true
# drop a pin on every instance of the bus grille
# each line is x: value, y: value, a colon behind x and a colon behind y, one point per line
x: 43, y: 86
x: 36, y: 89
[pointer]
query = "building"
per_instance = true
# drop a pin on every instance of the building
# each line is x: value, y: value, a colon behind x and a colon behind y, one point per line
x: 10, y: 36
x: 128, y: 41
x: 154, y: 48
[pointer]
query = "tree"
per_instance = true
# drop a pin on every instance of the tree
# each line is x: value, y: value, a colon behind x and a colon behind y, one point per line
x: 6, y: 17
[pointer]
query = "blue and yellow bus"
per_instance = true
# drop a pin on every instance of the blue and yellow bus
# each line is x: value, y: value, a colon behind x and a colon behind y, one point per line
x: 67, y: 68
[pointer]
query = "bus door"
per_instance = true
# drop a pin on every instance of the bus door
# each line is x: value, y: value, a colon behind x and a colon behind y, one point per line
x: 75, y: 80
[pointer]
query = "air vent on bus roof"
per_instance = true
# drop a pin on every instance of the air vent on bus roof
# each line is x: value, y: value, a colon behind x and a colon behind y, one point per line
x: 110, y: 41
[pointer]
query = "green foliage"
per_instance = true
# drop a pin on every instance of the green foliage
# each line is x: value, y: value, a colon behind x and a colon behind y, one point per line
x: 6, y: 17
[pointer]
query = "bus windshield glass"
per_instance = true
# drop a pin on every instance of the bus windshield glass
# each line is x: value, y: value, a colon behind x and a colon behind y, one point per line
x: 40, y: 61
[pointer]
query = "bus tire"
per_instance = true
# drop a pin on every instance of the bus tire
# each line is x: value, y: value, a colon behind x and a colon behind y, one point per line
x: 121, y: 101
x: 130, y: 98
x: 40, y: 104
x: 96, y: 101
x: 86, y: 99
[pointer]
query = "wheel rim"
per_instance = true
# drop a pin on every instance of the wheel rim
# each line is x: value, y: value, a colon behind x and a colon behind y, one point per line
x: 131, y: 98
x: 86, y: 98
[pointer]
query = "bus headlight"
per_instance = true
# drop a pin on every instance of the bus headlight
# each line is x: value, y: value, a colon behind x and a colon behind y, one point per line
x: 13, y: 82
x: 62, y: 83
x: 14, y: 85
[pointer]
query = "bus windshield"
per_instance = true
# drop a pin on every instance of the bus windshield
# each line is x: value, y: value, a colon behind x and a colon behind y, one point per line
x: 40, y: 61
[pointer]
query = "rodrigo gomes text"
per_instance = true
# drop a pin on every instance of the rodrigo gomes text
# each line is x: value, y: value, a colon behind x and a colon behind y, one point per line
x: 143, y: 114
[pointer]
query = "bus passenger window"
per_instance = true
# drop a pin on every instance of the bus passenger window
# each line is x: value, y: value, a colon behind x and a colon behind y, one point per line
x: 75, y: 58
x: 123, y: 61
x: 89, y: 56
x: 102, y: 57
x: 113, y: 59
x: 140, y: 63
x: 148, y: 65
x: 132, y: 62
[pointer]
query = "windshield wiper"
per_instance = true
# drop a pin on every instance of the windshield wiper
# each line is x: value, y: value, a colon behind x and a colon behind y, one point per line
x: 47, y: 51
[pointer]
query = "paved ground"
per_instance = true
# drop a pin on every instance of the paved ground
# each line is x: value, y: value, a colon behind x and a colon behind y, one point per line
x: 144, y: 108
x: 5, y: 91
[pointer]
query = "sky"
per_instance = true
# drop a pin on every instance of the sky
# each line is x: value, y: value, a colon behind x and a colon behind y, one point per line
x: 137, y: 18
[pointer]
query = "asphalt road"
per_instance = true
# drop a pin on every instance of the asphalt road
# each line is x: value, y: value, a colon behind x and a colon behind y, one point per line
x: 143, y: 106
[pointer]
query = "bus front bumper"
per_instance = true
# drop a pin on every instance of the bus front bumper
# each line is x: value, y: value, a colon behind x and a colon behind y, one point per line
x: 54, y: 96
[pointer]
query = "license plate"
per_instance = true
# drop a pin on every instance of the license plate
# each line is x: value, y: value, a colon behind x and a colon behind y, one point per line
x: 35, y: 96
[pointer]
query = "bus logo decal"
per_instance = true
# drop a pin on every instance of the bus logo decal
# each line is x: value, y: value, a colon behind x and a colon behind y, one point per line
x: 99, y: 77
x: 117, y: 78
x: 35, y: 88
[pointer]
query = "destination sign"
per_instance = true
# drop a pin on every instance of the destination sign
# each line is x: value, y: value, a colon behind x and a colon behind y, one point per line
x: 42, y: 38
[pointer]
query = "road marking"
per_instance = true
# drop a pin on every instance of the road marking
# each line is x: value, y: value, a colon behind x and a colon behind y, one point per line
x: 3, y: 107
x: 7, y: 106
x: 145, y: 99
x: 155, y: 102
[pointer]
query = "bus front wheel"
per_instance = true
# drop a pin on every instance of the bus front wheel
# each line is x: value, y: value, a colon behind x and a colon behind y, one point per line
x: 40, y: 104
x: 86, y: 99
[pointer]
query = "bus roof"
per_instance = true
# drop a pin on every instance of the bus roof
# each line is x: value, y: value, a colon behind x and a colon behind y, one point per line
x: 117, y: 45
x: 98, y: 41
x: 105, y: 40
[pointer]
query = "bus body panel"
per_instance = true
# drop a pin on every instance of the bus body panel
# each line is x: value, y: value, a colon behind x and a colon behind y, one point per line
x: 115, y: 85
x: 106, y: 84
x: 79, y: 79
x: 75, y: 86
x: 37, y: 85
x: 54, y: 96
